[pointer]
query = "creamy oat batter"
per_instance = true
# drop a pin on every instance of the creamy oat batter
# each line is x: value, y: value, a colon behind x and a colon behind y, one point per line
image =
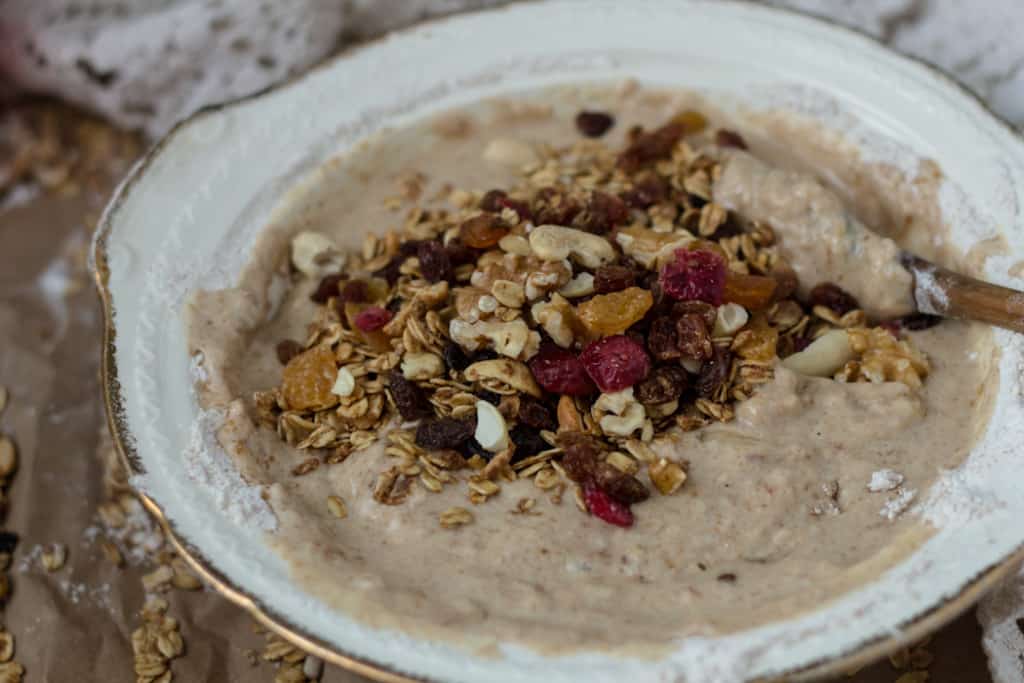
x: 776, y: 517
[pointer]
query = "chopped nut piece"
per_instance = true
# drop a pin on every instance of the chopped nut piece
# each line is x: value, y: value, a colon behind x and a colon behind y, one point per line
x: 313, y: 254
x: 667, y: 476
x: 421, y: 366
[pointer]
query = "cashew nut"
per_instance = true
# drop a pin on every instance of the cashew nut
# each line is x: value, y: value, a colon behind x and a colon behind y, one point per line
x: 509, y: 372
x: 513, y: 339
x: 554, y: 243
x: 417, y: 366
x: 313, y: 254
x: 824, y: 356
x: 554, y: 317
x: 581, y: 285
x: 731, y: 318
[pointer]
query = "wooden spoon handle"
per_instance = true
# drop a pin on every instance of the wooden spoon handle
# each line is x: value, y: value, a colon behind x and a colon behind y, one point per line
x: 942, y: 292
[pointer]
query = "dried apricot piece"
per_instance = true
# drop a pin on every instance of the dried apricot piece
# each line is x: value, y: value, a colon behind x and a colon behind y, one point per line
x: 609, y: 314
x: 752, y: 292
x: 308, y: 379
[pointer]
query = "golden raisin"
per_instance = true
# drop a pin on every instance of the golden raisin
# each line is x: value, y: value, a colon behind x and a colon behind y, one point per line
x: 758, y: 342
x: 483, y: 231
x: 752, y: 292
x: 308, y: 379
x: 609, y: 314
x: 691, y: 121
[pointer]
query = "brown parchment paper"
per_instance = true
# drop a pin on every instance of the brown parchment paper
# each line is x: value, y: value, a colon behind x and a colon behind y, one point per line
x: 75, y: 624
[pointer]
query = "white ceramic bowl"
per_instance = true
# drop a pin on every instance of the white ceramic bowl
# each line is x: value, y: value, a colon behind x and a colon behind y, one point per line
x: 209, y: 187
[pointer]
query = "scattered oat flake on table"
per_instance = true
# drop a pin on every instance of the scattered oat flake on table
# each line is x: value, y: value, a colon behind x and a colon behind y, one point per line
x: 53, y: 557
x: 4, y: 395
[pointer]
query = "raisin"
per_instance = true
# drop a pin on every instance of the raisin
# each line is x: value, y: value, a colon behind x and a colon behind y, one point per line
x: 395, y: 305
x: 662, y: 339
x: 613, y: 279
x: 693, y: 337
x: 833, y: 297
x: 373, y: 318
x: 444, y: 432
x: 713, y: 373
x: 594, y: 124
x: 308, y: 378
x: 551, y: 207
x: 695, y: 275
x: 601, y: 213
x: 664, y: 384
x: 730, y: 138
x: 919, y: 321
x: 412, y: 404
x: 648, y: 189
x: 435, y: 265
x: 355, y: 291
x: 535, y: 414
x: 483, y: 231
x: 460, y: 254
x: 472, y: 447
x: 610, y: 314
x: 580, y: 455
x: 602, y: 506
x: 327, y: 288
x: 615, y: 363
x: 287, y: 349
x: 391, y: 271
x: 8, y: 542
x: 491, y: 201
x: 559, y: 371
x: 649, y: 147
x: 491, y: 397
x: 454, y: 357
x: 528, y: 441
x: 623, y: 487
x: 753, y: 292
x: 707, y: 312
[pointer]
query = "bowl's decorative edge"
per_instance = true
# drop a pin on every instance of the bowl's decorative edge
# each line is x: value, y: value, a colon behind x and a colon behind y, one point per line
x: 912, y: 630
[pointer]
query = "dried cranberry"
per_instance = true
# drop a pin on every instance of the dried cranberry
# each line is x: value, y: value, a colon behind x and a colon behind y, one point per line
x: 695, y: 275
x: 832, y: 296
x: 594, y: 124
x: 327, y: 288
x: 373, y: 318
x: 730, y: 138
x: 491, y: 201
x: 454, y: 357
x: 647, y: 190
x: 412, y: 404
x: 664, y: 384
x: 662, y: 339
x: 444, y: 432
x: 919, y: 321
x: 287, y: 349
x: 434, y: 262
x: 601, y: 505
x: 528, y: 441
x: 354, y: 291
x: 615, y: 363
x: 559, y: 371
x: 535, y: 414
x: 648, y: 147
x: 623, y: 487
x: 693, y: 337
x: 552, y: 207
x: 613, y: 279
x: 602, y: 213
x: 714, y: 373
x: 707, y: 312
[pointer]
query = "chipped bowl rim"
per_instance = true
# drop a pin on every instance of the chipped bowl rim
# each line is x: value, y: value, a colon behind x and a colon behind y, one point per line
x: 910, y: 73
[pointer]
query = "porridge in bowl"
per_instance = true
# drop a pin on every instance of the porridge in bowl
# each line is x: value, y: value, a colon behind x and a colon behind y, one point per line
x: 589, y: 370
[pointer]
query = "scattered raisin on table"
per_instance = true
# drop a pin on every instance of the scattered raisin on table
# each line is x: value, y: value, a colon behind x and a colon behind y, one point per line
x: 594, y: 124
